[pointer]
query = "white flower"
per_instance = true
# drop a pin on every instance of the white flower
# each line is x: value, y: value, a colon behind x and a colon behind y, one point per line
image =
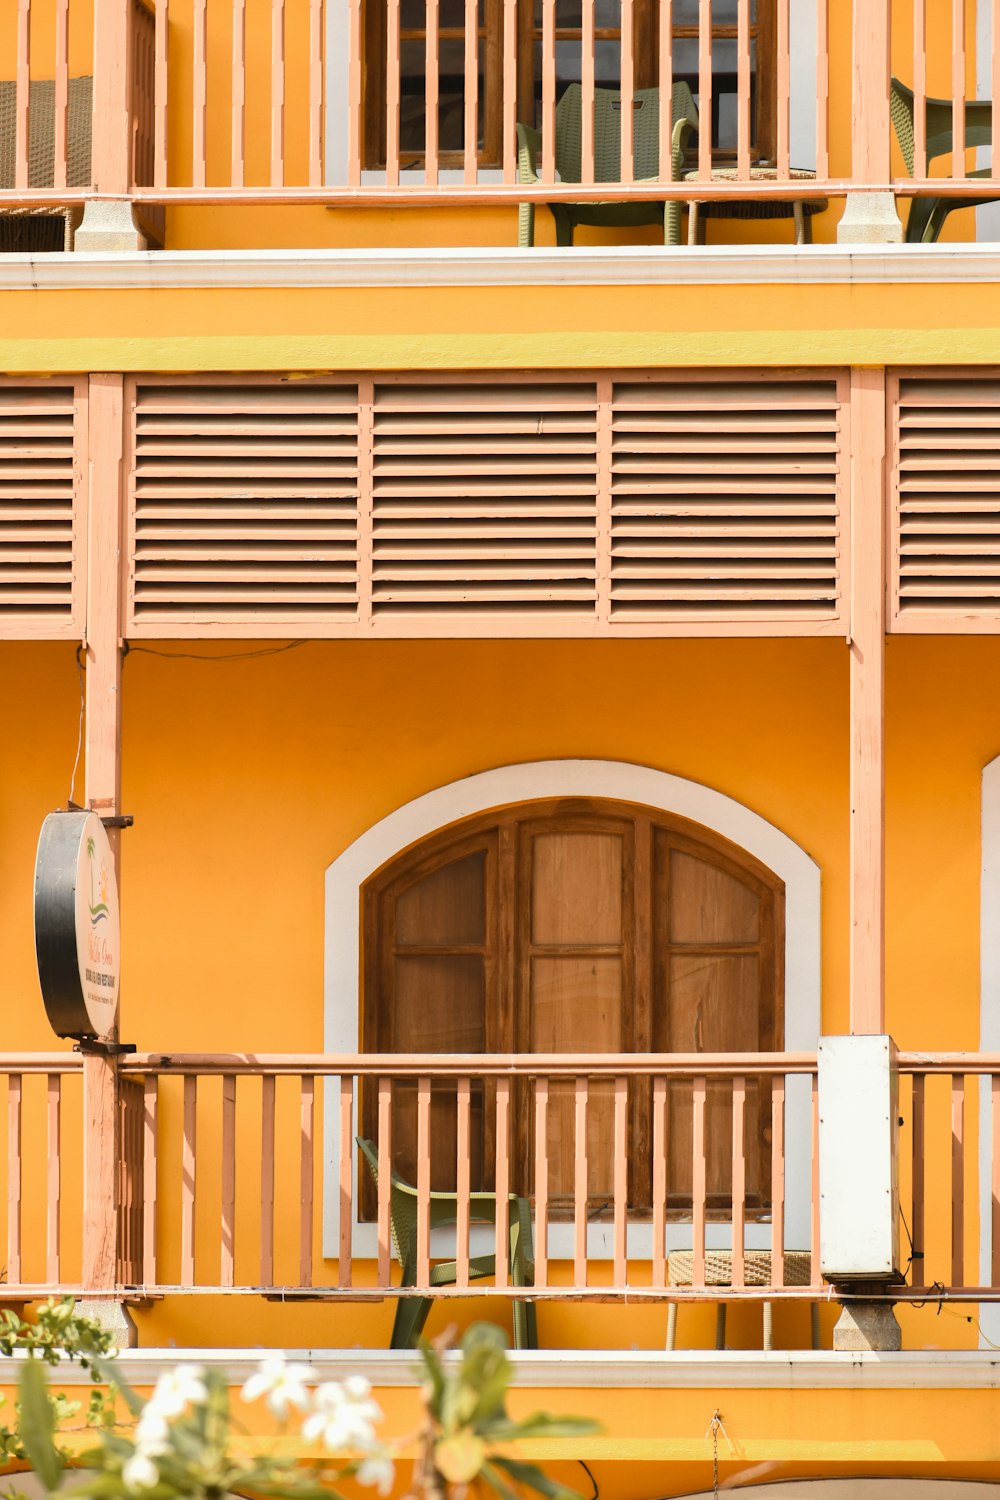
x: 178, y: 1388
x: 151, y: 1433
x: 140, y: 1473
x: 283, y: 1384
x: 377, y: 1470
x: 343, y: 1415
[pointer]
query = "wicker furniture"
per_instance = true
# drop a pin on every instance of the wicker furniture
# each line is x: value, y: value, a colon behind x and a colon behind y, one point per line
x: 756, y: 1272
x: 800, y: 210
x: 607, y: 159
x: 927, y: 214
x: 411, y: 1312
x: 39, y: 229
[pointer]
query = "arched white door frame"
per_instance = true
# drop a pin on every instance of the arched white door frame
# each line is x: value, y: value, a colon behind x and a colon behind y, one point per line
x: 618, y: 781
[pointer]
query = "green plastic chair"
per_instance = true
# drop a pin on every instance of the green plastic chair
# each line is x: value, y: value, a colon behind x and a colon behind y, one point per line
x: 607, y: 159
x: 411, y: 1312
x: 927, y: 214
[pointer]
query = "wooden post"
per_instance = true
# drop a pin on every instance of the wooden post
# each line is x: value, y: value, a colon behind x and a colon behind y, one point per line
x: 870, y: 215
x: 868, y: 701
x: 103, y: 794
x: 108, y: 222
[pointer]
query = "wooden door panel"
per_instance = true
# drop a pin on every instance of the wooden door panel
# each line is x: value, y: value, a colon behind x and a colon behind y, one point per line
x: 576, y: 889
x: 709, y: 905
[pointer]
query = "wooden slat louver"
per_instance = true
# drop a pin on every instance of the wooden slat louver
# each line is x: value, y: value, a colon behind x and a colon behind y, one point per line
x: 42, y: 464
x: 484, y: 499
x: 946, y: 504
x: 727, y: 500
x: 243, y: 507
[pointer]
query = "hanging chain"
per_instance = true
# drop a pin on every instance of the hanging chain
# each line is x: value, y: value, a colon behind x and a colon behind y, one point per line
x: 714, y: 1428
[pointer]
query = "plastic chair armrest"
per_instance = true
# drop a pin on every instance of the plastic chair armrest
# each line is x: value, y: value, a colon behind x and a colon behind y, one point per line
x: 529, y: 144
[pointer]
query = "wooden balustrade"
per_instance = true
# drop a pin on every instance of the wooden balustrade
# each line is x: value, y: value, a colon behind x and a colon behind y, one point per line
x: 615, y: 1160
x: 344, y: 102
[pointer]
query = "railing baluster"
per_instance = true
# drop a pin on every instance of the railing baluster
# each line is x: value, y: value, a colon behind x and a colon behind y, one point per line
x: 995, y: 1180
x: 150, y: 1092
x: 958, y: 1179
x: 60, y: 154
x: 509, y: 110
x: 423, y: 1182
x: 432, y: 74
x: 347, y: 1157
x: 22, y: 93
x: 227, y: 1252
x: 277, y: 93
x: 199, y: 90
x: 392, y: 93
x: 783, y: 75
x: 587, y: 87
x: 471, y: 129
x: 14, y: 1178
x: 502, y: 1180
x: 548, y: 91
x: 463, y: 1165
x: 315, y: 93
x: 621, y: 1181
x: 659, y: 1181
x: 580, y: 1183
x: 239, y: 91
x: 307, y: 1178
x: 54, y: 1186
x: 743, y: 89
x: 958, y: 88
x: 823, y: 89
x: 778, y: 1181
x: 739, y: 1176
x: 917, y: 1212
x: 384, y: 1181
x: 627, y: 93
x: 541, y: 1182
x: 705, y: 89
x: 160, y: 85
x: 698, y: 1182
x: 189, y: 1179
x: 267, y: 1180
x: 666, y: 68
x: 920, y: 88
x: 355, y: 118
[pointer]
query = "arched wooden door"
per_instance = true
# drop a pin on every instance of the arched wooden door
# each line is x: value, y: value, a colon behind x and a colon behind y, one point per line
x: 581, y: 925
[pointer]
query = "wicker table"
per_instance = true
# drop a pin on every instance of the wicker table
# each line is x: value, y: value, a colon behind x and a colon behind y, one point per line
x: 801, y: 210
x: 756, y: 1272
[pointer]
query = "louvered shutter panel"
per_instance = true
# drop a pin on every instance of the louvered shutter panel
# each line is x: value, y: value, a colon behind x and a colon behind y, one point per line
x: 484, y: 499
x: 243, y: 506
x: 42, y: 433
x: 727, y: 501
x: 946, y: 504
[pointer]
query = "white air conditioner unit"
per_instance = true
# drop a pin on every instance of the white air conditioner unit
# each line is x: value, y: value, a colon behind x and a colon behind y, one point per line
x: 858, y: 1158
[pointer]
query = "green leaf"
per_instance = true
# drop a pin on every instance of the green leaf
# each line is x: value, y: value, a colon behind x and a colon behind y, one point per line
x: 540, y: 1425
x: 436, y: 1378
x: 493, y: 1477
x: 38, y: 1425
x: 460, y: 1457
x: 536, y: 1479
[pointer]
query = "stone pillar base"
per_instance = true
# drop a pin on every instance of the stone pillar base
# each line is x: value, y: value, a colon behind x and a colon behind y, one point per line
x: 870, y: 219
x: 867, y: 1325
x: 108, y: 227
x: 114, y: 1317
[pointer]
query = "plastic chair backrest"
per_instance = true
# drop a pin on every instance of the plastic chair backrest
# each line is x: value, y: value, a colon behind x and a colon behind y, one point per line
x: 608, y: 133
x: 939, y: 132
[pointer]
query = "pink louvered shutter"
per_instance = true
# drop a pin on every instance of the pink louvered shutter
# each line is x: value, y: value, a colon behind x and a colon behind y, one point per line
x: 42, y: 508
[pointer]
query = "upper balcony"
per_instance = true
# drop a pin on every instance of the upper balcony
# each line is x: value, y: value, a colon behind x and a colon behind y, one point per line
x: 474, y: 113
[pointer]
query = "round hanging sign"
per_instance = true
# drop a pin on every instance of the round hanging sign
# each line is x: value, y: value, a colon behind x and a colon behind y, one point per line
x: 77, y: 933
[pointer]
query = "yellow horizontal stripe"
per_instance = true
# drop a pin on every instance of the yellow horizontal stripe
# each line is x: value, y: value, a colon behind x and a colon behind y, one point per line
x: 505, y: 328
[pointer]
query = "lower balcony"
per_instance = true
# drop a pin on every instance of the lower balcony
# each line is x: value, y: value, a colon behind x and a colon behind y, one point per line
x: 491, y: 1179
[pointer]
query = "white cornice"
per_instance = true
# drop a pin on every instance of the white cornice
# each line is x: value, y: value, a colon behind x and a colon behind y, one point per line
x: 715, y: 265
x: 608, y: 1369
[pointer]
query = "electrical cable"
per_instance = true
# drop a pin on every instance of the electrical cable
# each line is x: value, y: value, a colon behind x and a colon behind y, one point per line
x: 218, y: 657
x: 79, y: 735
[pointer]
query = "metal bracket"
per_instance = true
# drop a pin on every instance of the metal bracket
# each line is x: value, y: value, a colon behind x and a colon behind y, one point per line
x: 117, y: 820
x: 97, y: 1047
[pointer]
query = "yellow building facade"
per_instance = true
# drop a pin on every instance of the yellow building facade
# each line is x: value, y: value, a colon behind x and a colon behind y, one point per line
x: 547, y: 691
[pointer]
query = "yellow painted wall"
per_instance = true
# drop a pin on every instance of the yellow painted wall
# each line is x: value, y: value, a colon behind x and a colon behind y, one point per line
x: 247, y: 779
